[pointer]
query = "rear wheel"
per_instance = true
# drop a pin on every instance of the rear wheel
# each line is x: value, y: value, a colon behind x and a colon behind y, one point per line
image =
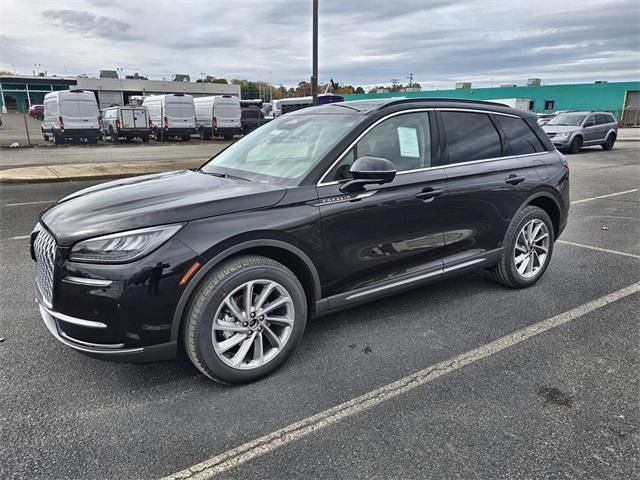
x: 186, y: 138
x: 245, y: 319
x: 228, y: 137
x: 608, y: 144
x: 57, y: 139
x: 527, y: 248
x: 114, y: 137
x: 145, y: 139
x: 576, y: 145
x: 156, y: 135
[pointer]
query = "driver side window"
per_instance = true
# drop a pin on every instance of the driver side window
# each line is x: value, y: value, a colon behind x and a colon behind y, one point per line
x: 404, y: 140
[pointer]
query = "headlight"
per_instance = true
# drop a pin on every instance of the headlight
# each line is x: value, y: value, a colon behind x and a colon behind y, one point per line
x: 563, y: 134
x: 123, y: 247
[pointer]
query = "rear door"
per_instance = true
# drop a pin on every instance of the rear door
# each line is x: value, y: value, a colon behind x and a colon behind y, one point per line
x: 227, y: 112
x: 140, y: 118
x: 484, y: 187
x: 127, y: 118
x: 180, y: 113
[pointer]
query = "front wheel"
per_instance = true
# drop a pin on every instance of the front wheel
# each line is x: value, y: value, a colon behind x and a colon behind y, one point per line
x: 608, y: 144
x: 245, y: 319
x: 527, y: 248
x: 576, y: 145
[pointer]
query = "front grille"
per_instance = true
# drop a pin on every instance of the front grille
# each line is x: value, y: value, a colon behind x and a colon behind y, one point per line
x: 44, y: 248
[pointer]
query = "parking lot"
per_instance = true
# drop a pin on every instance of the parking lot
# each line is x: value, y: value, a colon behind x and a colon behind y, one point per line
x: 460, y: 379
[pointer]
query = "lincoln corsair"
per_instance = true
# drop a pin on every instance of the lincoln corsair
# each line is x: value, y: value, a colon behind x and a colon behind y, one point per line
x: 316, y: 211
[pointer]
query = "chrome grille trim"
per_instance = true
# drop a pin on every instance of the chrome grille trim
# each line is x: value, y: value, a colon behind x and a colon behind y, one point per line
x: 44, y: 247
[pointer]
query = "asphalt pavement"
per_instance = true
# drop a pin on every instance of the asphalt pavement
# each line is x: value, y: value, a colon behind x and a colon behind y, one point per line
x: 560, y: 404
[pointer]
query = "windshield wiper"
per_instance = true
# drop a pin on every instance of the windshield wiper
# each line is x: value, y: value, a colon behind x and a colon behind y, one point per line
x: 224, y: 175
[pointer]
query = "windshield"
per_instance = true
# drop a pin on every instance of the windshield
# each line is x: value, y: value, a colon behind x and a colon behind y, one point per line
x: 574, y: 119
x: 284, y: 150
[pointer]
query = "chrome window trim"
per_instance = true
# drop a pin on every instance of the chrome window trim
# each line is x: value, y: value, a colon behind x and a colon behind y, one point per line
x: 415, y: 110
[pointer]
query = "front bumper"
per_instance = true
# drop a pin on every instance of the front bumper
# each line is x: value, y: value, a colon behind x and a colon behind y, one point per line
x: 56, y: 322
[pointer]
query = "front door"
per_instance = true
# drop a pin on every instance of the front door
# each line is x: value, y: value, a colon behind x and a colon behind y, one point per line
x: 384, y: 234
x: 591, y: 130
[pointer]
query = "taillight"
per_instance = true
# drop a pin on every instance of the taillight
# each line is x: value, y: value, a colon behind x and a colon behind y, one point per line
x: 117, y: 123
x: 61, y: 122
x: 166, y: 122
x: 214, y: 122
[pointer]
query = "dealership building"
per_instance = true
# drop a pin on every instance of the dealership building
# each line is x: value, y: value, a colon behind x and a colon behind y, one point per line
x: 17, y: 92
x: 620, y: 98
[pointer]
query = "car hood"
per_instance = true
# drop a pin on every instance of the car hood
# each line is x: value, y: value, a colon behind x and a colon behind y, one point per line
x: 151, y: 200
x: 560, y: 128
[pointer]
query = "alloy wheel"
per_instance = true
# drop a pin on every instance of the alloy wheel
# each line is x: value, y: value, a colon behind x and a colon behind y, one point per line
x: 253, y: 324
x: 531, y: 248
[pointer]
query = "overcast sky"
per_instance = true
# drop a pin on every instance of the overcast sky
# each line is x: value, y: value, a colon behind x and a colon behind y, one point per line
x: 361, y: 42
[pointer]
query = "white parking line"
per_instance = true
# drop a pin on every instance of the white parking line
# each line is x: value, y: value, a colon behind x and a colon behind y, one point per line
x: 20, y: 237
x: 598, y: 249
x: 28, y: 203
x: 603, y: 196
x: 232, y: 458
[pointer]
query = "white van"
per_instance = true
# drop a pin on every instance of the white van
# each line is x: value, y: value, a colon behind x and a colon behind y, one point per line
x: 219, y: 116
x: 126, y: 122
x: 172, y: 115
x: 71, y: 115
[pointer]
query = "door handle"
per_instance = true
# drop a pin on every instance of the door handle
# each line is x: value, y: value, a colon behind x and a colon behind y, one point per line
x: 514, y: 179
x: 428, y: 194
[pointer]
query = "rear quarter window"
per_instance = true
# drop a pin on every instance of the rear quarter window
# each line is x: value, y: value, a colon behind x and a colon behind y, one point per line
x: 520, y: 138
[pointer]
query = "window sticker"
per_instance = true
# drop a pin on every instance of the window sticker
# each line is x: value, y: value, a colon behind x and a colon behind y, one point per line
x: 408, y: 139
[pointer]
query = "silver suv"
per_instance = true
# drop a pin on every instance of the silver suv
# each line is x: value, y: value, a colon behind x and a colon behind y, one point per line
x: 573, y: 130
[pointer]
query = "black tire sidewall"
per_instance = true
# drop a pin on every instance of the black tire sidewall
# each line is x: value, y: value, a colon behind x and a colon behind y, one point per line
x: 576, y: 145
x: 528, y: 214
x: 212, y: 299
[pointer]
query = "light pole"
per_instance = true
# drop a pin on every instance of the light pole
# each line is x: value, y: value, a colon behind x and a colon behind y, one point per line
x: 314, y: 74
x: 119, y: 70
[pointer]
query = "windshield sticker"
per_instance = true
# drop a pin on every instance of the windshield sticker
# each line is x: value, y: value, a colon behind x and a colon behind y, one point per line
x: 408, y: 139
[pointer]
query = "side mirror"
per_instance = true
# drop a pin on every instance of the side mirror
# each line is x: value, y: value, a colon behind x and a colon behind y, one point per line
x: 369, y: 170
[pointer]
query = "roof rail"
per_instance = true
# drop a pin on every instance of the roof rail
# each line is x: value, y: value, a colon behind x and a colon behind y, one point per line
x: 439, y: 99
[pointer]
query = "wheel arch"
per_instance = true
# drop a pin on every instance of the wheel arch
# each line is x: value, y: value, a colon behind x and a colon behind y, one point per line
x: 289, y: 255
x: 547, y: 202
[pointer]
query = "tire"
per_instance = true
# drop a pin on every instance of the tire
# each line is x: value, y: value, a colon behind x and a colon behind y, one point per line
x: 186, y: 138
x: 114, y: 138
x: 204, y: 133
x: 156, y: 135
x: 145, y: 139
x: 228, y: 137
x: 608, y: 144
x: 506, y: 271
x: 57, y: 139
x: 576, y: 145
x: 92, y: 141
x: 208, y: 305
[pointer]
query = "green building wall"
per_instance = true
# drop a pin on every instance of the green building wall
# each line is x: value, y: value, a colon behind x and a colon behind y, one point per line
x: 579, y: 96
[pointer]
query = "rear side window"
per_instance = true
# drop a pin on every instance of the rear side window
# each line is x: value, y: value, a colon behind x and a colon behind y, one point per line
x: 520, y: 138
x: 470, y: 136
x: 602, y: 119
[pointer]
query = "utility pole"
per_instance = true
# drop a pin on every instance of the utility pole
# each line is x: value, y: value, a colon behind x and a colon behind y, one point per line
x: 394, y: 84
x: 314, y: 74
x: 410, y: 77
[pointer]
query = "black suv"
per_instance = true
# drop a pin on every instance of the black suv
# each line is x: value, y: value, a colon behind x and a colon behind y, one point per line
x: 251, y: 118
x: 319, y: 210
